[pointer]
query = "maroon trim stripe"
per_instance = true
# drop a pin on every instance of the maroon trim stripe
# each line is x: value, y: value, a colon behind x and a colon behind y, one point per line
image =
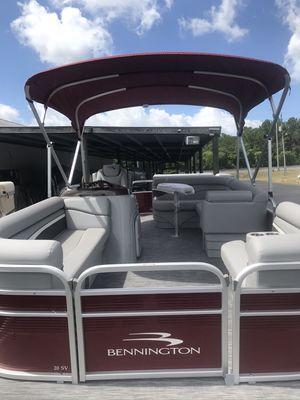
x: 268, y: 302
x: 32, y: 303
x: 152, y: 302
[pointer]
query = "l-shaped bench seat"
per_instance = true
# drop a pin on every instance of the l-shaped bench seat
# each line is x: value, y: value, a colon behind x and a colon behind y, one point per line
x: 224, y: 208
x: 71, y: 233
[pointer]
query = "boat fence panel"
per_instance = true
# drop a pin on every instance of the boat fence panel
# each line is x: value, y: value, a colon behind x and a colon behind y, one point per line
x: 37, y: 331
x: 266, y: 329
x: 152, y: 332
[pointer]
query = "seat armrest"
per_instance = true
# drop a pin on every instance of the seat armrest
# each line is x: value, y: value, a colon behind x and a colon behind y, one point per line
x: 31, y: 252
x: 273, y: 248
x: 228, y: 196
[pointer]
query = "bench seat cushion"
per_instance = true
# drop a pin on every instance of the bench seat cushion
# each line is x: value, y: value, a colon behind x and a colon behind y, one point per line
x: 30, y: 252
x: 81, y: 249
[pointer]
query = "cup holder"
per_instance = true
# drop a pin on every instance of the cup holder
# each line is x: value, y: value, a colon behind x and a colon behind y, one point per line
x: 260, y: 234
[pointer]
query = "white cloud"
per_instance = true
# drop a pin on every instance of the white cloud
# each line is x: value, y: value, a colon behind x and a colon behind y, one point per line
x: 53, y: 118
x: 9, y: 113
x: 221, y: 19
x: 138, y: 116
x: 253, y: 123
x: 291, y: 17
x: 60, y: 39
x: 152, y: 116
x: 140, y: 14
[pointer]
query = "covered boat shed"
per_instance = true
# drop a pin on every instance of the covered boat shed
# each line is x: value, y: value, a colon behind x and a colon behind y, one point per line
x: 155, y: 146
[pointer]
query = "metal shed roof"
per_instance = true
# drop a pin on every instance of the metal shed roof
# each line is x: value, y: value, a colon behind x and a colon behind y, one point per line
x: 126, y: 143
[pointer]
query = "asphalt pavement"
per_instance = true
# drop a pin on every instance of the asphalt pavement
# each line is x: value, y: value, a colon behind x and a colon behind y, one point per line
x: 283, y: 192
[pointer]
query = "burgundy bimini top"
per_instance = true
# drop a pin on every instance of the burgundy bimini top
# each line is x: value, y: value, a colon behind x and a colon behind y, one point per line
x: 80, y: 90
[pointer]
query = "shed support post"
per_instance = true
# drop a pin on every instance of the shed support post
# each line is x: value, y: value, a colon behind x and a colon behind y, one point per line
x: 215, y: 151
x: 200, y: 161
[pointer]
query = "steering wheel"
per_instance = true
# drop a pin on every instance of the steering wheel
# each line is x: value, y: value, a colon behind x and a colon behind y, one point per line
x: 99, y: 185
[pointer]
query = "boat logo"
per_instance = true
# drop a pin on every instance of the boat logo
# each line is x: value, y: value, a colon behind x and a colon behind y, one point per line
x: 156, y: 337
x: 171, y: 346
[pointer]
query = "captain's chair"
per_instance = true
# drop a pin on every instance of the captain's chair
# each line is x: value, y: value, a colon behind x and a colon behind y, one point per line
x: 112, y: 173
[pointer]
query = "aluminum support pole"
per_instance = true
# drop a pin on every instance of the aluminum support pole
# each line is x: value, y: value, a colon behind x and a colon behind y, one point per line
x: 275, y: 119
x: 84, y: 160
x: 238, y: 145
x: 49, y: 171
x: 46, y: 137
x: 270, y: 185
x: 283, y: 152
x: 246, y: 159
x: 277, y: 147
x: 74, y: 162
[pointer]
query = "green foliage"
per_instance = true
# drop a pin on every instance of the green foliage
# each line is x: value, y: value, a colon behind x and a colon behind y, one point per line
x: 256, y: 145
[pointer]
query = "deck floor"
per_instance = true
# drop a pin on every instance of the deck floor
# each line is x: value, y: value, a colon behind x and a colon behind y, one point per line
x: 158, y: 245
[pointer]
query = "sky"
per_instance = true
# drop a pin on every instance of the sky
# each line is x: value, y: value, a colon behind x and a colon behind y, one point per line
x: 39, y: 34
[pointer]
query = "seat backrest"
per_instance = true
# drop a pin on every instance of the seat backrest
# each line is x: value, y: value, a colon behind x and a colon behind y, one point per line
x: 201, y: 183
x: 287, y: 217
x: 43, y: 220
x: 114, y: 174
x: 87, y: 212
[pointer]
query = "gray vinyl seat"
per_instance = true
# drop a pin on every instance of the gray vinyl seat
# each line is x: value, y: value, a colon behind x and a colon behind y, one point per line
x: 264, y: 248
x: 112, y: 173
x: 287, y: 217
x: 224, y: 208
x: 190, y: 205
x: 71, y: 234
x: 81, y: 249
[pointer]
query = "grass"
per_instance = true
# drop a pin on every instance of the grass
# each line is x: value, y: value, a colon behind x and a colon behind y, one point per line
x: 290, y: 177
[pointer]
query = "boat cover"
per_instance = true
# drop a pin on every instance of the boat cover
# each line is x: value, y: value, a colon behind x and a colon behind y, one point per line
x: 80, y: 90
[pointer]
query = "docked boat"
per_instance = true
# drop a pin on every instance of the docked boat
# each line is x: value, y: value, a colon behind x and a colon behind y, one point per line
x: 92, y: 290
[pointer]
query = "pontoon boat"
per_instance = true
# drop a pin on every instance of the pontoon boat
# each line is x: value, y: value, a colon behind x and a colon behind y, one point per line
x: 91, y: 290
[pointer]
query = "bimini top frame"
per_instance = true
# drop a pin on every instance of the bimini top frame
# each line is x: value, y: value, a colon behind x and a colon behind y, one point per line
x: 235, y: 84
